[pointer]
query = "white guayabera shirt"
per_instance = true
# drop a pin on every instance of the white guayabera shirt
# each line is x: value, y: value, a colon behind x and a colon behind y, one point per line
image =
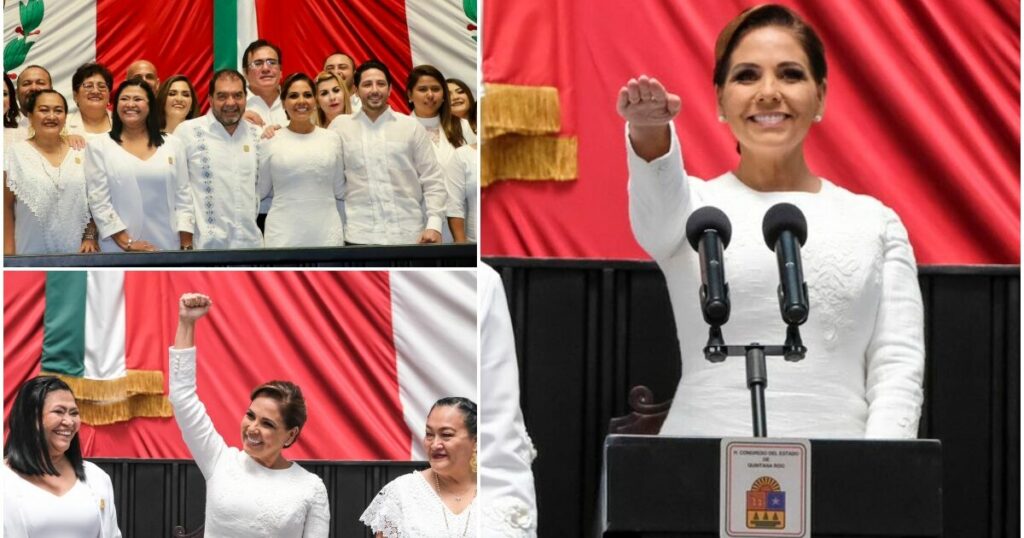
x: 222, y: 181
x: 394, y: 184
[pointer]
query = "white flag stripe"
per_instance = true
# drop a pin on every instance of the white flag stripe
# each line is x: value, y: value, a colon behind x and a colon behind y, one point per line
x: 105, y: 326
x: 247, y: 29
x: 438, y: 36
x: 66, y: 40
x: 433, y: 315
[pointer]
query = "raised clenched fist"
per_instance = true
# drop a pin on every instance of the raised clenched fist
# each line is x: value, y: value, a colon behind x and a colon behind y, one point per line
x: 193, y: 306
x: 644, y: 102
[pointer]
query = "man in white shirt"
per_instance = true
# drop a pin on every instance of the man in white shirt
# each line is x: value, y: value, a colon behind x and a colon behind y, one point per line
x: 222, y: 165
x: 146, y: 70
x: 394, y: 192
x: 344, y: 67
x: 261, y: 63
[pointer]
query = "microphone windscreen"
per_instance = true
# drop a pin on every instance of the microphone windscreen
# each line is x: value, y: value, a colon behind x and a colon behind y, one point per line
x: 783, y: 217
x: 708, y: 218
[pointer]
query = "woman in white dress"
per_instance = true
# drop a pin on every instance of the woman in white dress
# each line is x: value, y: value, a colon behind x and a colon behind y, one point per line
x: 49, y: 490
x: 865, y: 339
x: 438, y: 502
x: 431, y: 106
x: 45, y: 209
x: 332, y: 98
x: 303, y: 167
x: 176, y: 102
x: 254, y: 491
x: 136, y: 177
x: 90, y: 86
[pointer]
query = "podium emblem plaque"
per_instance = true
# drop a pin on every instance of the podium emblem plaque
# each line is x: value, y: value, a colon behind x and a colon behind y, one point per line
x: 765, y: 488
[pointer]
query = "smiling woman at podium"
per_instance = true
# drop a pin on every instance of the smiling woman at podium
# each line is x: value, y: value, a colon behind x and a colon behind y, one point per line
x: 865, y: 361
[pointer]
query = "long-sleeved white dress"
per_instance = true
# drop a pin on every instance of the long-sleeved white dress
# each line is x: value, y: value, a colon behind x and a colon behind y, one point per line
x: 865, y: 346
x: 305, y: 174
x: 243, y: 498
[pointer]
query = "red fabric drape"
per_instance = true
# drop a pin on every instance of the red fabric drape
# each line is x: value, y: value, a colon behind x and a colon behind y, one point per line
x: 363, y: 29
x: 331, y: 333
x: 181, y: 44
x: 922, y: 113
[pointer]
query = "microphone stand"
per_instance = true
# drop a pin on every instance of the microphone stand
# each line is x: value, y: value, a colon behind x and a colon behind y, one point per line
x: 757, y: 369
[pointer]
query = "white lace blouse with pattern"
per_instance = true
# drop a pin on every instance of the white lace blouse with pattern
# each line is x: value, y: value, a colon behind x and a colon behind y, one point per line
x: 51, y: 210
x: 243, y: 498
x: 409, y: 507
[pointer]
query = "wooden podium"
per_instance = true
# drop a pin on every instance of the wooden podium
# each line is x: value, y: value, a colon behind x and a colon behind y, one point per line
x: 654, y: 486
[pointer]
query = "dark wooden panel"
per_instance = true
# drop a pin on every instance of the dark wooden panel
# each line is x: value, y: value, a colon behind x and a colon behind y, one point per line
x: 588, y: 330
x: 154, y: 496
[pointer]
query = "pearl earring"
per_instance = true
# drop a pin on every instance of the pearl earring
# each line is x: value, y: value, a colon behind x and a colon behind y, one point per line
x: 817, y: 118
x: 721, y: 118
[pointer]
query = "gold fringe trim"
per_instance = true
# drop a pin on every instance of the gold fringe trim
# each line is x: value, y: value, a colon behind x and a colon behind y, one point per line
x: 527, y: 110
x: 141, y: 405
x: 135, y: 382
x: 530, y: 158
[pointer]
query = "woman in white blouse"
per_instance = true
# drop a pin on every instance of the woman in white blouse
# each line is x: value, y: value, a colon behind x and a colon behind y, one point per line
x: 45, y: 210
x: 177, y: 102
x: 48, y: 489
x: 462, y: 101
x: 331, y: 97
x: 439, y: 501
x: 90, y: 86
x: 303, y: 167
x: 136, y: 177
x: 462, y: 180
x: 254, y: 491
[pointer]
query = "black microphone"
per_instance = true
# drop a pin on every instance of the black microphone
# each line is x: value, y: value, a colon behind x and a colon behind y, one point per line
x: 785, y: 231
x: 709, y: 231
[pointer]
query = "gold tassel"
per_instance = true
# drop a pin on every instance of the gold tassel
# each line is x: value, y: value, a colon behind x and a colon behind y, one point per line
x: 135, y: 382
x: 142, y: 405
x: 528, y: 158
x: 512, y: 109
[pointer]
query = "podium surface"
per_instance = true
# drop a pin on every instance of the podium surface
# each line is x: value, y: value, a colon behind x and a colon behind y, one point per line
x: 669, y: 486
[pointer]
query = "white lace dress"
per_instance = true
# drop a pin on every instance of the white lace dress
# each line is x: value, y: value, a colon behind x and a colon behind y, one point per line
x: 305, y: 174
x: 51, y: 210
x: 408, y: 507
x: 243, y: 498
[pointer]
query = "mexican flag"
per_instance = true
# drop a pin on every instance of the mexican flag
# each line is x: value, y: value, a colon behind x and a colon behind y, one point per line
x: 372, y: 351
x: 194, y: 38
x: 83, y: 344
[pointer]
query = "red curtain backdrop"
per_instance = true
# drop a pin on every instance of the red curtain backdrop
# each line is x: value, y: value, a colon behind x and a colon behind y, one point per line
x: 922, y: 112
x: 309, y: 31
x: 182, y: 42
x: 329, y: 332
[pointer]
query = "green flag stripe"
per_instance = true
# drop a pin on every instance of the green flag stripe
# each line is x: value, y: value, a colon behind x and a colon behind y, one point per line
x: 225, y: 34
x: 64, y: 323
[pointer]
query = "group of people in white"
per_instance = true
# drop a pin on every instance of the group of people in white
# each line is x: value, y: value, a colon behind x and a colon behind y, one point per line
x: 307, y: 162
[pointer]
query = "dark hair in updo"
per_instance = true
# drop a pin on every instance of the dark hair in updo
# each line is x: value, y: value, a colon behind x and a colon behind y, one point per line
x: 290, y: 401
x: 465, y: 406
x: 764, y: 16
